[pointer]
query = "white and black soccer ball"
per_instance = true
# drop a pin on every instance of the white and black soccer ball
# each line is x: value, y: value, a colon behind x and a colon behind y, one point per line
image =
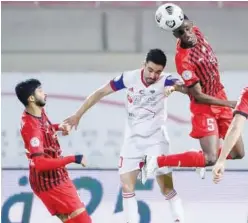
x: 169, y: 16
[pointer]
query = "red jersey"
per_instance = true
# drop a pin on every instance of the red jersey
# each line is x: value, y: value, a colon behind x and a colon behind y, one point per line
x: 199, y: 65
x: 40, y: 139
x: 242, y: 105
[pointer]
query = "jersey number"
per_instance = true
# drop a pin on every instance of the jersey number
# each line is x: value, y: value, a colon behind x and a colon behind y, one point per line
x: 211, y: 124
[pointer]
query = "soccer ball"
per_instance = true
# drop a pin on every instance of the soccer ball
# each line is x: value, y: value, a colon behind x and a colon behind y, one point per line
x: 169, y: 16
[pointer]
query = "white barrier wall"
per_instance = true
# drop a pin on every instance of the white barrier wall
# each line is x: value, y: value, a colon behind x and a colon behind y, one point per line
x: 101, y: 130
x: 203, y: 201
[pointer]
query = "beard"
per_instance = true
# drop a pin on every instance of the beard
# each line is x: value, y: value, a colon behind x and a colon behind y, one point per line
x: 40, y: 103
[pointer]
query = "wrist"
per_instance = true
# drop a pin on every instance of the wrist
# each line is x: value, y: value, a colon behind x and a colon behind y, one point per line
x: 57, y: 127
x: 177, y: 88
x: 78, y: 114
x: 78, y: 159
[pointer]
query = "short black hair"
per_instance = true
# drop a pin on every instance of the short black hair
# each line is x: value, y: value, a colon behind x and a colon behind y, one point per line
x: 185, y: 17
x: 156, y: 56
x: 25, y: 89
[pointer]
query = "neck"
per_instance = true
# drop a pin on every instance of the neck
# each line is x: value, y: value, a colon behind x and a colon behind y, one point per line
x: 34, y: 110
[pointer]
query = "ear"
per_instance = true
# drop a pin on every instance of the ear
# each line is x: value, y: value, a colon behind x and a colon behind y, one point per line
x: 31, y: 98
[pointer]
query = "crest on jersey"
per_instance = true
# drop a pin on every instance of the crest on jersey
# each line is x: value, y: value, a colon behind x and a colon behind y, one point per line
x: 187, y: 75
x: 34, y: 142
x: 152, y: 91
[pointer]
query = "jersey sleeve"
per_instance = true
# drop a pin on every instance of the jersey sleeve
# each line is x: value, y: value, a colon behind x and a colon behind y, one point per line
x: 170, y: 81
x: 187, y: 71
x: 242, y: 105
x: 120, y: 82
x: 33, y: 140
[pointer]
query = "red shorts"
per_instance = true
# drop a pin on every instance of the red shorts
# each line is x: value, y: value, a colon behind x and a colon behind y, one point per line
x: 210, y: 120
x: 62, y: 199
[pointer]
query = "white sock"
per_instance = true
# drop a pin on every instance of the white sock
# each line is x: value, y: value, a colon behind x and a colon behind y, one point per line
x: 130, y: 207
x: 176, y: 206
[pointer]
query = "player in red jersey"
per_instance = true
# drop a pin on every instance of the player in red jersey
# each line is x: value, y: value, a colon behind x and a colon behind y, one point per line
x: 211, y: 112
x: 233, y: 133
x: 48, y: 176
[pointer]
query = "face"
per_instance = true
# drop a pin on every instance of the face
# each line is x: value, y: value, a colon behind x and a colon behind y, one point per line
x: 152, y: 72
x: 185, y: 33
x: 39, y: 97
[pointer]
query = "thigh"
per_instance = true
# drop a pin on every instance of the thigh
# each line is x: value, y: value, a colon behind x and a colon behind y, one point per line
x: 165, y: 182
x: 224, y: 119
x: 63, y: 199
x: 162, y: 148
x: 128, y: 180
x: 203, y: 125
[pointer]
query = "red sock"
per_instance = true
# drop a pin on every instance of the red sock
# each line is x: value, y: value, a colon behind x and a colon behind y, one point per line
x: 81, y: 218
x: 187, y: 159
x: 229, y: 157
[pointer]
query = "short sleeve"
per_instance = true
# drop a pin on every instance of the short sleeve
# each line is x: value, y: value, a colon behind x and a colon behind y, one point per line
x: 122, y: 81
x: 33, y: 140
x: 187, y: 71
x: 242, y: 105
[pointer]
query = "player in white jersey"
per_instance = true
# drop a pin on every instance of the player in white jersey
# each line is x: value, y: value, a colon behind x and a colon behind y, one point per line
x: 145, y: 128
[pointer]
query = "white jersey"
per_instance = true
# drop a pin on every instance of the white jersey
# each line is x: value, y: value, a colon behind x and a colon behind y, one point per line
x: 146, y: 106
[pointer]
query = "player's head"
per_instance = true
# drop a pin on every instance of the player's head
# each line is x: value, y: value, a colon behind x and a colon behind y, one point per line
x: 30, y: 92
x: 154, y: 65
x: 186, y: 33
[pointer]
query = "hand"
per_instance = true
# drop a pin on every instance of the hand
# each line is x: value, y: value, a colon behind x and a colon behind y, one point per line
x: 218, y: 171
x: 168, y: 90
x: 65, y: 129
x: 83, y: 162
x: 72, y: 121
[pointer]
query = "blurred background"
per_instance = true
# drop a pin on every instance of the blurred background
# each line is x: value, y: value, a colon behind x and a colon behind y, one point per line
x: 75, y: 47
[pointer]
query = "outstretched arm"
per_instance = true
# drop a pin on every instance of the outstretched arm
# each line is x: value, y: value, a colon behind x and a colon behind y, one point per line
x: 90, y: 101
x: 93, y: 98
x: 116, y: 84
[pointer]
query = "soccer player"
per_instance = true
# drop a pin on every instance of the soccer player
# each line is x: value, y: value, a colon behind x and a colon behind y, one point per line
x: 48, y: 176
x: 145, y: 128
x: 233, y: 133
x: 211, y: 112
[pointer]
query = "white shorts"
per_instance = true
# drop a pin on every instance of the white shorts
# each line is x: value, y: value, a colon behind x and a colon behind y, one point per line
x: 134, y: 150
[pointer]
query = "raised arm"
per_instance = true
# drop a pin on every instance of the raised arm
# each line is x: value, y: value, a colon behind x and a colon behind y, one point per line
x: 114, y: 85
